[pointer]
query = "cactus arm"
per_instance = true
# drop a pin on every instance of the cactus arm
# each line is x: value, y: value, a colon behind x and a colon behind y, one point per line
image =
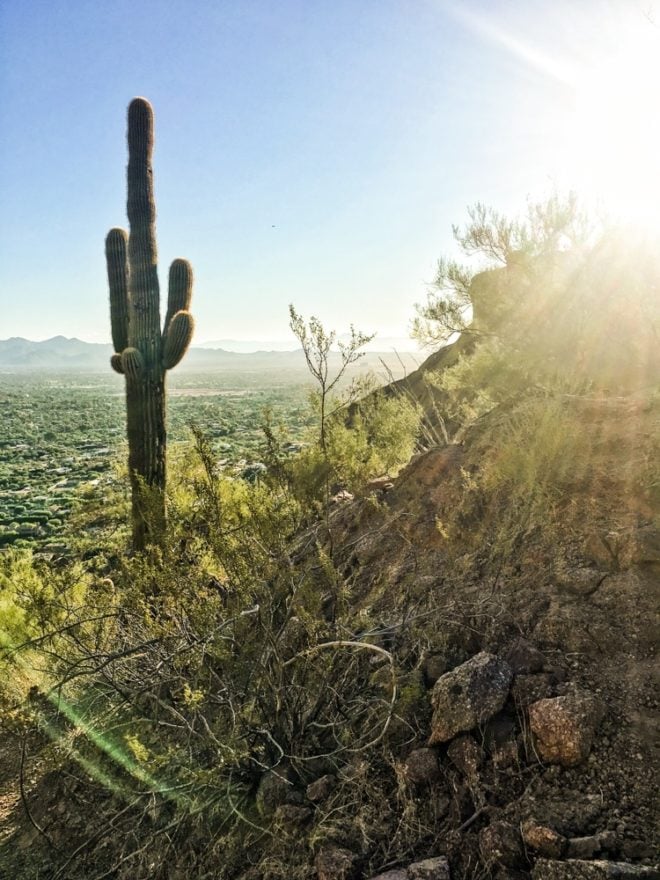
x: 131, y: 362
x: 179, y: 290
x: 115, y: 256
x: 115, y: 363
x: 177, y: 338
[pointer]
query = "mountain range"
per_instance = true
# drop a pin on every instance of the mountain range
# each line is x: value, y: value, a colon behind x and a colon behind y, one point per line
x: 61, y: 354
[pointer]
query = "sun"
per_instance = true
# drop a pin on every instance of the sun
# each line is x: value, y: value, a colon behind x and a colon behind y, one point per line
x: 613, y: 137
x: 596, y: 126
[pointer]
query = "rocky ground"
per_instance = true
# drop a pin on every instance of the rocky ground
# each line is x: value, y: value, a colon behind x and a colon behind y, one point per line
x: 540, y: 670
x: 523, y: 744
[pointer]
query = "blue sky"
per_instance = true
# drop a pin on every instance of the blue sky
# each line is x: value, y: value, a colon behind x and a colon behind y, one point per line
x: 307, y: 151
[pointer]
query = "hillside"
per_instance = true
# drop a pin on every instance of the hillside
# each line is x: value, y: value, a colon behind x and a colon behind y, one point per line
x: 443, y: 672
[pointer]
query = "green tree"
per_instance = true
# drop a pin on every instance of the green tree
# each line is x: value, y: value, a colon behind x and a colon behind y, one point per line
x: 549, y: 226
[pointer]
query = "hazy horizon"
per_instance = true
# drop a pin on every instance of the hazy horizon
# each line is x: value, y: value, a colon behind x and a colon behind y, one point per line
x: 246, y: 346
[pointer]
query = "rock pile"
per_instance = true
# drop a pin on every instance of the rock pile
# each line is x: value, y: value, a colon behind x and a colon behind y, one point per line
x: 492, y: 715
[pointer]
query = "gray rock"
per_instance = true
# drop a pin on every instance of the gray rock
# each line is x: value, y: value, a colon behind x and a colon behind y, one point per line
x: 430, y: 869
x: 564, y: 727
x: 321, y: 789
x: 421, y: 767
x: 576, y: 869
x: 469, y: 695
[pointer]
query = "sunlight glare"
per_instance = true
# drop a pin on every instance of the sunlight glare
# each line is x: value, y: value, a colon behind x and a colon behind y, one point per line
x: 612, y: 140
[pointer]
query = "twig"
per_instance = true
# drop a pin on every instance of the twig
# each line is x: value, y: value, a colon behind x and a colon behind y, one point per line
x: 21, y: 781
x: 473, y: 818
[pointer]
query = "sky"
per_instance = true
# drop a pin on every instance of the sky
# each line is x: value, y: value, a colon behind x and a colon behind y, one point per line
x: 314, y: 152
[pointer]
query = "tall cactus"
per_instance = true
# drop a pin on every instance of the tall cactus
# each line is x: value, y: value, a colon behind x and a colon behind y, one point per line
x: 143, y: 353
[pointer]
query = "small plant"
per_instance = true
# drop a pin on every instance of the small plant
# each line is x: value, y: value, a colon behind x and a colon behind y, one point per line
x: 144, y: 352
x: 316, y: 344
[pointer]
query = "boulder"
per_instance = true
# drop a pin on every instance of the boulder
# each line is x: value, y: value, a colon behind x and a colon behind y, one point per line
x: 577, y: 869
x: 469, y: 695
x: 564, y: 727
x: 429, y: 869
x: 421, y: 767
x: 336, y: 863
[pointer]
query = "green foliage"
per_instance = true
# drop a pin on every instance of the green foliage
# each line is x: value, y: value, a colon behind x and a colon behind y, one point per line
x: 33, y: 597
x: 377, y: 439
x: 177, y: 679
x: 352, y: 444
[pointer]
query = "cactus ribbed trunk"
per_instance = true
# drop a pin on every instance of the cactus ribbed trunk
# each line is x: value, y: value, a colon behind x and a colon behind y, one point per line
x: 145, y: 392
x: 142, y: 352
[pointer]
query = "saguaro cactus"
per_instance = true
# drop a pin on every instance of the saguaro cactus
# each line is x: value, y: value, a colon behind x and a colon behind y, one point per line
x: 143, y: 353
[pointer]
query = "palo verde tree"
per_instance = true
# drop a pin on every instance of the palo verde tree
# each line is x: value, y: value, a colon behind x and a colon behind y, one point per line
x: 548, y: 227
x: 316, y: 344
x: 143, y: 350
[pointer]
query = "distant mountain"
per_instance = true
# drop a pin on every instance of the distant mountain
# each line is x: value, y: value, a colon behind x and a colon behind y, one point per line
x: 60, y: 354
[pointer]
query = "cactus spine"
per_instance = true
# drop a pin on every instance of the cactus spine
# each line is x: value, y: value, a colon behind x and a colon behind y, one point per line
x: 143, y: 353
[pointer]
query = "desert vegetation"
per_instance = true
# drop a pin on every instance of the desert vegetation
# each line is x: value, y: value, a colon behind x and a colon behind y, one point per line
x: 273, y: 687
